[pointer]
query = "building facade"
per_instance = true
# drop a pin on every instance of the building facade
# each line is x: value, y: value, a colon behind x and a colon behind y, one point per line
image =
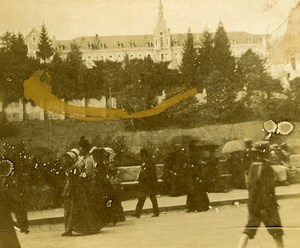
x: 161, y: 45
x: 285, y: 48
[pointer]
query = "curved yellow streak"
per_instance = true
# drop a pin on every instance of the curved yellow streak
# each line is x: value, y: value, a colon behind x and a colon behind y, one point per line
x: 40, y: 94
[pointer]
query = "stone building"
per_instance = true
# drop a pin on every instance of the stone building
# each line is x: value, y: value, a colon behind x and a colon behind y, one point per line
x: 285, y: 48
x: 161, y: 45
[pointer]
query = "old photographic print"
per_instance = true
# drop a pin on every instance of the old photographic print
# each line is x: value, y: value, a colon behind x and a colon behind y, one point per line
x: 149, y: 123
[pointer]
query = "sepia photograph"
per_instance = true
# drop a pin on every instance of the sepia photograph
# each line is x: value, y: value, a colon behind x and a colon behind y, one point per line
x: 149, y: 123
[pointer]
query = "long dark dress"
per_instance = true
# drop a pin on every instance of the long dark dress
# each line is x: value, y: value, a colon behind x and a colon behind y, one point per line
x: 10, y: 201
x: 106, y: 202
x: 79, y: 217
x: 173, y: 175
x: 196, y: 187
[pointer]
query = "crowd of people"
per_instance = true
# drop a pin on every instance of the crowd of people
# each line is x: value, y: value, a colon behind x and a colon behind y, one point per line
x: 91, y: 200
x: 92, y: 197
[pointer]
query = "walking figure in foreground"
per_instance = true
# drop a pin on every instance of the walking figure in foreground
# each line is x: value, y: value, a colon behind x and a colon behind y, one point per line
x: 262, y: 204
x: 10, y: 201
x: 147, y: 184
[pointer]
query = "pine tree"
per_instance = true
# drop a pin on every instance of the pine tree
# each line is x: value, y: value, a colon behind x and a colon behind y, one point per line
x: 257, y: 83
x: 15, y: 68
x: 45, y: 46
x: 222, y: 85
x: 188, y: 67
x: 222, y: 58
x: 204, y: 58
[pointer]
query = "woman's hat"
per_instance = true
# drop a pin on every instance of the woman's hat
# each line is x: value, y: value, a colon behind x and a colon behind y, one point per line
x: 71, y: 155
x: 75, y: 151
x: 6, y: 168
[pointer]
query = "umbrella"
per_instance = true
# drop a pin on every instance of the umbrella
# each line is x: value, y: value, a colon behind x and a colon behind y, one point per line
x: 111, y: 153
x: 205, y: 143
x: 234, y: 146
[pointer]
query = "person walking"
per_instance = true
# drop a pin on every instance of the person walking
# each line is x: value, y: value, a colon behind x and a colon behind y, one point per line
x: 10, y: 201
x: 105, y: 203
x: 147, y: 184
x: 78, y: 214
x: 262, y: 204
x: 196, y: 184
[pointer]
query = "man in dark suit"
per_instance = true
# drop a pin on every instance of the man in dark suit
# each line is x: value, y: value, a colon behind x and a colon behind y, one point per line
x: 147, y: 184
x: 262, y: 203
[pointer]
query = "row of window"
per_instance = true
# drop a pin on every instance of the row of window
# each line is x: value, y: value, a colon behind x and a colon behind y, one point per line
x: 249, y: 41
x: 159, y: 56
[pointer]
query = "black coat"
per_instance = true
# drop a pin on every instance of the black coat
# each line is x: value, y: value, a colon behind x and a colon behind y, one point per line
x: 148, y: 178
x: 11, y: 201
x: 261, y: 187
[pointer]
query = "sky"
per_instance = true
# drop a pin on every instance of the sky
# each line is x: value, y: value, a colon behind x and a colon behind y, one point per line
x: 68, y: 19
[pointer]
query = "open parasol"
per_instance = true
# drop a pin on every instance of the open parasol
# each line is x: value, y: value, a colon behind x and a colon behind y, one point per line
x: 234, y: 146
x: 111, y: 153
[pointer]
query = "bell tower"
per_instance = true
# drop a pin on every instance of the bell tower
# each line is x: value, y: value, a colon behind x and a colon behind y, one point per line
x: 162, y: 36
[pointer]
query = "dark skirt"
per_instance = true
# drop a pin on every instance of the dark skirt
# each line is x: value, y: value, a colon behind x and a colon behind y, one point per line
x: 79, y: 212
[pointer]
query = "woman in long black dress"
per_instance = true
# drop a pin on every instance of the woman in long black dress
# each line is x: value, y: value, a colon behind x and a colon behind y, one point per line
x: 196, y: 185
x: 79, y: 216
x: 105, y: 204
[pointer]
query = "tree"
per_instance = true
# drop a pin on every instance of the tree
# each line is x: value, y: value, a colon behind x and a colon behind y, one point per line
x: 257, y: 83
x: 67, y: 76
x: 45, y: 46
x: 15, y: 68
x: 221, y: 94
x: 222, y: 58
x: 205, y: 64
x: 188, y: 66
x: 222, y: 85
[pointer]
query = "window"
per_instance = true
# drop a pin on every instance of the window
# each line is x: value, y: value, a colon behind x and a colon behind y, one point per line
x: 161, y: 42
x: 155, y: 42
x: 167, y: 41
x: 131, y: 56
x: 140, y: 56
x: 110, y: 57
x: 119, y: 57
x: 102, y: 45
x: 131, y: 44
x: 89, y: 46
x: 293, y: 62
x: 162, y: 57
x: 119, y: 44
x: 149, y: 43
x: 33, y: 39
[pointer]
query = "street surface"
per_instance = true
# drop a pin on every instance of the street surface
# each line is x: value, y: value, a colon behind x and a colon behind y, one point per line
x: 218, y: 228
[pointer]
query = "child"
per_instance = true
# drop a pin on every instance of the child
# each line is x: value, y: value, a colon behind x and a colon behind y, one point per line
x: 262, y: 204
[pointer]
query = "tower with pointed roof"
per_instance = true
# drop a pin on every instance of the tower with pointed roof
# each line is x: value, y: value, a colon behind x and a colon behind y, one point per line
x: 162, y: 37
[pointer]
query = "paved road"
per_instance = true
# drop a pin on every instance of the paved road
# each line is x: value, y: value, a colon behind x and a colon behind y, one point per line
x: 212, y: 229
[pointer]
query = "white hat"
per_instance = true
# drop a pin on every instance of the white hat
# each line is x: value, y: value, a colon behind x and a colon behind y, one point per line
x: 75, y: 151
x: 93, y: 149
x: 71, y: 154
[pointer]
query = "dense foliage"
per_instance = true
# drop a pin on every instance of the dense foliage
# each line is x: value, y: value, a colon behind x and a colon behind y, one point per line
x: 234, y: 89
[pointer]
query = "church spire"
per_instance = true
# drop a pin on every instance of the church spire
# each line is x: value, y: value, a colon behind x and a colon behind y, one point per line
x: 161, y: 25
x: 160, y: 9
